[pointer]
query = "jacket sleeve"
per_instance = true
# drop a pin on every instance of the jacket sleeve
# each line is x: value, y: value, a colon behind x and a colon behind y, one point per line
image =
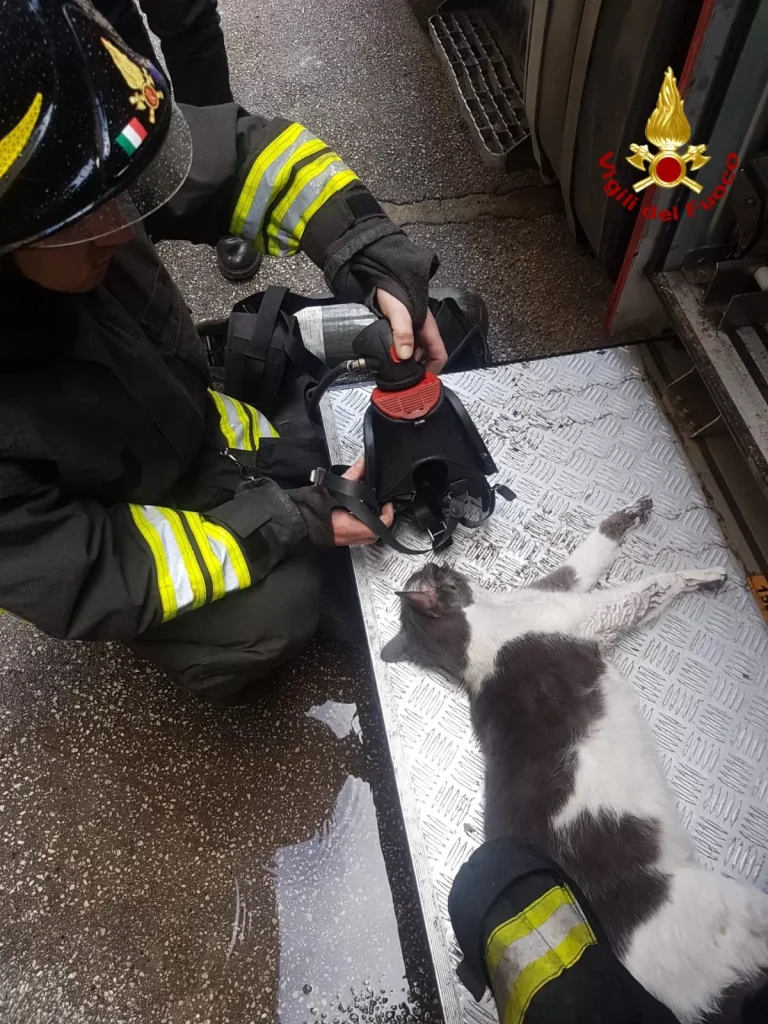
x: 281, y: 188
x: 80, y: 570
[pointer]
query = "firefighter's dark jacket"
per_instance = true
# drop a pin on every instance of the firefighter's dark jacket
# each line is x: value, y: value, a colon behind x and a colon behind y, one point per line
x: 530, y: 935
x: 105, y: 405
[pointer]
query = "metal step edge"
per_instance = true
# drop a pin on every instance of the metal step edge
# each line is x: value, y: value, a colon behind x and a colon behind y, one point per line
x: 470, y: 46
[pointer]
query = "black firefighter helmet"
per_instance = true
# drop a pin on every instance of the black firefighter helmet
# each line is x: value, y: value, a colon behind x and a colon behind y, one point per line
x: 83, y: 121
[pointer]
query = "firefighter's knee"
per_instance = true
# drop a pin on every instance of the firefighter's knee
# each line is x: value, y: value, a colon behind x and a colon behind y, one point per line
x: 228, y: 651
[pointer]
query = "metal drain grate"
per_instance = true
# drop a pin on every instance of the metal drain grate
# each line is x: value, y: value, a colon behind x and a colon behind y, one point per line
x: 469, y: 43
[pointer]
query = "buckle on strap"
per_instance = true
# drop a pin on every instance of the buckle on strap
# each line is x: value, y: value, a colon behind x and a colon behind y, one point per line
x: 436, y: 535
x: 246, y: 472
x: 457, y: 505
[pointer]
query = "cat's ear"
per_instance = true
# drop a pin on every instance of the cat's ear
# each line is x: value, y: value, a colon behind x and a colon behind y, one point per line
x: 396, y: 649
x: 426, y: 601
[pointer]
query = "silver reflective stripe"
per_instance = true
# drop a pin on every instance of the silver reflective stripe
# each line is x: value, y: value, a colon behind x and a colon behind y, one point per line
x: 177, y: 570
x: 520, y: 954
x: 540, y: 952
x: 290, y: 220
x: 220, y: 553
x: 265, y: 187
x: 238, y: 424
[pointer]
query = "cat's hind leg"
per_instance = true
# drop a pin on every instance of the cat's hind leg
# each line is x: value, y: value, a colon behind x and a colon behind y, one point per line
x: 597, y: 552
x: 610, y: 613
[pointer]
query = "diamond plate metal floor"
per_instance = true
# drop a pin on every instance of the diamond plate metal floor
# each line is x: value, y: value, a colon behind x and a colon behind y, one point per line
x: 576, y: 437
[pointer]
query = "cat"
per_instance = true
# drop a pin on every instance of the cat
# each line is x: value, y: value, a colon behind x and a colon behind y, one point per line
x: 571, y: 764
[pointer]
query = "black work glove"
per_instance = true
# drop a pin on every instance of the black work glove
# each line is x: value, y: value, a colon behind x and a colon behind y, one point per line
x: 315, y: 506
x: 360, y: 249
x: 397, y: 265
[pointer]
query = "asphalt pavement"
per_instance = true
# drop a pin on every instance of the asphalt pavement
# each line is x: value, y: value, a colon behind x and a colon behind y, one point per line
x: 366, y: 79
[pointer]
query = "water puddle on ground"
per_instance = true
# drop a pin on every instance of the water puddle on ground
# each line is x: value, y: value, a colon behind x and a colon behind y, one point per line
x: 164, y: 861
x: 340, y: 718
x: 340, y: 958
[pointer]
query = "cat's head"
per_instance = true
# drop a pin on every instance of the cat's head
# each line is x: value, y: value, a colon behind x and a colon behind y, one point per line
x: 434, y: 631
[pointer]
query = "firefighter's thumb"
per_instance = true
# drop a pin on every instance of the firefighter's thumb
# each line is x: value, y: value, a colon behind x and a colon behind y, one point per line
x: 400, y: 322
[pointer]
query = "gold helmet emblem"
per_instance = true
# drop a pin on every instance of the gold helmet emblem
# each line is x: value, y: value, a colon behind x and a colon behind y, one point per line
x: 668, y: 129
x: 145, y: 96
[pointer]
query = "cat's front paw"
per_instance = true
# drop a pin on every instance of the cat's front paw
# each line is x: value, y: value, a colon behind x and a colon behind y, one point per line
x: 618, y: 524
x: 708, y: 580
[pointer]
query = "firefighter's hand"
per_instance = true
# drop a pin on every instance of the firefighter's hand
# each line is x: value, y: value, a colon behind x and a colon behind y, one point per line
x: 428, y: 340
x: 348, y: 531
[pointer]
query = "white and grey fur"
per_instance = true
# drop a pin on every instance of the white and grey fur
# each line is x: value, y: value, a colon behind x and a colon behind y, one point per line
x: 572, y: 766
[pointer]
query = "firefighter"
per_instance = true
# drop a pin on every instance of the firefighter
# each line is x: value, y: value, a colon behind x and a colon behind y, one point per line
x: 125, y: 512
x: 193, y: 47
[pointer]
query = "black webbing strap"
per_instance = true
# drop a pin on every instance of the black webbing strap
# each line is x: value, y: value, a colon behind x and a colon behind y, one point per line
x: 299, y: 354
x: 440, y: 531
x: 252, y: 372
x: 359, y: 500
x: 269, y: 310
x: 258, y: 346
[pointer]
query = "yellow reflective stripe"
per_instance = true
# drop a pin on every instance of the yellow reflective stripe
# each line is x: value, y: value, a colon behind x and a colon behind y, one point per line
x: 220, y: 553
x: 270, y: 175
x: 242, y: 425
x: 12, y: 145
x: 253, y: 420
x: 548, y: 967
x: 281, y: 180
x: 336, y: 184
x: 235, y: 560
x: 260, y: 425
x: 181, y: 581
x: 524, y: 923
x: 247, y: 442
x: 154, y: 543
x: 304, y: 175
x: 303, y: 178
x: 229, y: 434
x: 274, y: 179
x: 531, y: 949
x: 256, y: 173
x: 212, y: 563
x: 196, y: 578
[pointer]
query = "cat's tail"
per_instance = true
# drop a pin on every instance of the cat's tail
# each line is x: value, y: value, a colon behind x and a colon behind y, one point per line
x: 707, y: 940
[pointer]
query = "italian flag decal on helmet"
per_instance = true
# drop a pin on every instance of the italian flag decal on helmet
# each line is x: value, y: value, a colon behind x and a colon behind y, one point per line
x: 132, y: 136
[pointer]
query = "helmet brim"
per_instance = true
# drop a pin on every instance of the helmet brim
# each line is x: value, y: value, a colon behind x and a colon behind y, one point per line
x: 155, y: 186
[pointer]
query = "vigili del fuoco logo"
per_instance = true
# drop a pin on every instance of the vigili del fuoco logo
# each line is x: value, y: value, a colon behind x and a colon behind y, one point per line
x: 668, y: 130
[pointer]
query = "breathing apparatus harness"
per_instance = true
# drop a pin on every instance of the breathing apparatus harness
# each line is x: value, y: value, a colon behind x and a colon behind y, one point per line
x: 423, y: 453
